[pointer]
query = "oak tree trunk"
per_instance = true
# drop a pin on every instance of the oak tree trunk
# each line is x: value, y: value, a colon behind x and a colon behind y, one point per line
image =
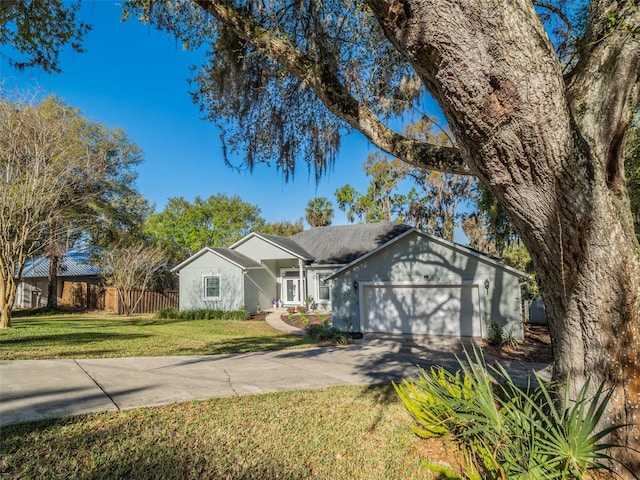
x: 551, y: 152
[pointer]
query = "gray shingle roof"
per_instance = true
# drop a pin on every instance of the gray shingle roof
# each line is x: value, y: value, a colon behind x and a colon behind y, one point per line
x: 237, y: 258
x: 76, y: 263
x: 341, y: 244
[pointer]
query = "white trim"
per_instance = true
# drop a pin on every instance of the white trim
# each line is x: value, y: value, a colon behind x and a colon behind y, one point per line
x: 204, y: 250
x: 318, y: 300
x: 435, y: 239
x: 332, y: 266
x: 284, y: 278
x: 204, y: 287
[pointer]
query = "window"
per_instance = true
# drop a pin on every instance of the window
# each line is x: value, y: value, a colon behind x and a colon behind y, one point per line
x: 323, y: 290
x: 212, y: 287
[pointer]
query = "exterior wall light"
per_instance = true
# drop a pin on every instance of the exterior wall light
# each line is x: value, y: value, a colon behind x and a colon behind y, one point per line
x: 486, y: 285
x: 355, y: 285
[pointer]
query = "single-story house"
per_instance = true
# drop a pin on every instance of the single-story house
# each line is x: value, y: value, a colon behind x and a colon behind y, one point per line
x: 379, y: 277
x: 75, y: 266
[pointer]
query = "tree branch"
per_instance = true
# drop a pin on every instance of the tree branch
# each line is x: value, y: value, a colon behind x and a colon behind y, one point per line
x: 556, y: 11
x: 327, y: 86
x: 604, y: 87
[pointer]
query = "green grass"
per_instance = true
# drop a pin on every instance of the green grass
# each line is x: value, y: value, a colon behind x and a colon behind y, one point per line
x: 99, y: 336
x: 332, y: 433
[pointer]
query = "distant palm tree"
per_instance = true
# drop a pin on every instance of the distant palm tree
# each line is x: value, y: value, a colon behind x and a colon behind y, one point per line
x: 319, y: 212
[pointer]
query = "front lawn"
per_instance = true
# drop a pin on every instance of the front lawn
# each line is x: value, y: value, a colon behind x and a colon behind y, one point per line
x: 99, y: 336
x: 332, y: 433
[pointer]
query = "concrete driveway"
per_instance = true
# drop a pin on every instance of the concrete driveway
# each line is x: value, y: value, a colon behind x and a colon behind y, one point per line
x: 40, y: 389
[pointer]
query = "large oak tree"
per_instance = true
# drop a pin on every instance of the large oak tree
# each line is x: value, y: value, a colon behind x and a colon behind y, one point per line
x: 539, y: 110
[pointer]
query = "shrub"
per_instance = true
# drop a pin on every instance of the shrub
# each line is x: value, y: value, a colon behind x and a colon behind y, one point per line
x: 310, y: 303
x: 325, y: 333
x: 508, y: 338
x: 494, y: 333
x: 168, y: 312
x: 501, y: 336
x: 204, y: 314
x: 506, y: 431
x: 301, y: 309
x: 38, y: 312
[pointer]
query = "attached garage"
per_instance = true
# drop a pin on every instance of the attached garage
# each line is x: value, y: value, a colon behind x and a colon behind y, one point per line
x: 449, y: 310
x: 420, y: 284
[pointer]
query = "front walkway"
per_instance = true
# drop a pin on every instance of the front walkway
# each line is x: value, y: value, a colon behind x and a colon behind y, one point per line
x: 273, y: 318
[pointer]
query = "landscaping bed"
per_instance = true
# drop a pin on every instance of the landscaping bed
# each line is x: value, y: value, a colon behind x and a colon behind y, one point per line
x: 536, y: 346
x: 312, y: 318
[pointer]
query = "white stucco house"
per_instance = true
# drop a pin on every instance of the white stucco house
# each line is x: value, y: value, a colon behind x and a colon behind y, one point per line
x: 380, y: 277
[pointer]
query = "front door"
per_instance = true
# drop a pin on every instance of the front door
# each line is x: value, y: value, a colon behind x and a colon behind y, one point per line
x: 291, y: 290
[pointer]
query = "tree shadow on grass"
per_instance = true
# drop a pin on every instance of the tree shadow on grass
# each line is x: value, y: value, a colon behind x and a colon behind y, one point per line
x: 70, y: 339
x: 249, y: 345
x: 31, y: 409
x: 153, y: 455
x: 67, y: 345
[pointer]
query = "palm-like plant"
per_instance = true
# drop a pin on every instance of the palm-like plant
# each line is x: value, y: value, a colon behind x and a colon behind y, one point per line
x: 319, y: 212
x: 505, y: 431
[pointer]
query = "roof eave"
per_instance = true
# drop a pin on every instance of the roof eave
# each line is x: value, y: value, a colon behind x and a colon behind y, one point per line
x: 198, y: 254
x: 448, y: 243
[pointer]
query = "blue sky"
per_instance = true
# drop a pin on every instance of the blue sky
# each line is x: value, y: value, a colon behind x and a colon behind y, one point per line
x: 135, y: 77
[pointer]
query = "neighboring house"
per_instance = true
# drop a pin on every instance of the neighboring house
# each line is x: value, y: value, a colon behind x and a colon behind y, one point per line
x: 380, y: 277
x: 75, y: 266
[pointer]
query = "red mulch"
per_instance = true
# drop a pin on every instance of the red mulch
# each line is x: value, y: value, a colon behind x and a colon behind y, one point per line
x: 312, y: 319
x: 260, y: 316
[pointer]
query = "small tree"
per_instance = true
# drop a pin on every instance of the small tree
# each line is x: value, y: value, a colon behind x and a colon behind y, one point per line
x: 434, y: 205
x: 381, y: 202
x: 48, y: 168
x: 129, y: 268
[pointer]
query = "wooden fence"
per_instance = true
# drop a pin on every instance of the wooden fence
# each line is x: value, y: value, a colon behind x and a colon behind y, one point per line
x: 84, y: 295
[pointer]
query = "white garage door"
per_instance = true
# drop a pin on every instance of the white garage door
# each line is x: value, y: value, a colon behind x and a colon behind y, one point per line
x: 422, y: 309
